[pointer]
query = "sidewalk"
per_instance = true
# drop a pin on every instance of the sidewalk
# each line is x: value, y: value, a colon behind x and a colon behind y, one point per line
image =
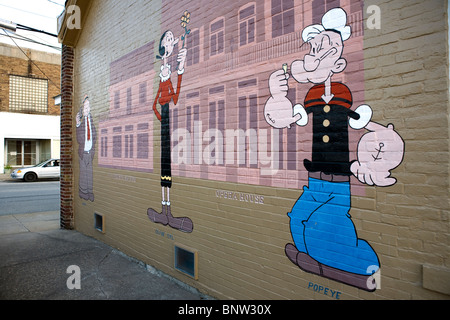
x: 4, y: 176
x: 35, y: 254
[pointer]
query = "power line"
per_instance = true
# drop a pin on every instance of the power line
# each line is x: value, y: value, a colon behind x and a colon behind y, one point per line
x: 37, y: 14
x: 59, y: 4
x: 20, y: 37
x: 48, y: 78
x: 40, y: 40
x: 22, y: 27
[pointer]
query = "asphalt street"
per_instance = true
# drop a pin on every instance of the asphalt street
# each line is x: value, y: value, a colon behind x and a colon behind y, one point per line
x: 22, y: 197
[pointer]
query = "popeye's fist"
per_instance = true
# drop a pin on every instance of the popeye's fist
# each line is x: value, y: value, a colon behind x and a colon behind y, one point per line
x: 379, y: 151
x: 278, y: 83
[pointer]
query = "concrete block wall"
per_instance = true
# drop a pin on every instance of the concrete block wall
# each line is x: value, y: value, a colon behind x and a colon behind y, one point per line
x: 406, y: 64
x: 239, y: 215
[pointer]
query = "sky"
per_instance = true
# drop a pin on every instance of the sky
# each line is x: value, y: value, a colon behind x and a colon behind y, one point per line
x: 37, y: 14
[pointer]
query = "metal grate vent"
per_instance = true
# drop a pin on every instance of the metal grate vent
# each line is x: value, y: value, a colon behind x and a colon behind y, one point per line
x: 186, y: 261
x: 99, y: 222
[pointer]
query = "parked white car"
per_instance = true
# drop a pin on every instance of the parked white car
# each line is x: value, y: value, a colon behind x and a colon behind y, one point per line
x: 46, y: 169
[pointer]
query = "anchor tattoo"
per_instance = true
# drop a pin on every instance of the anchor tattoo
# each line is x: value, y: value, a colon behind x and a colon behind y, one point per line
x: 375, y: 158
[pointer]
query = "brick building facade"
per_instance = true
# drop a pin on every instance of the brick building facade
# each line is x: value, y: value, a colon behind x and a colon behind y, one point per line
x: 210, y: 142
x: 29, y: 116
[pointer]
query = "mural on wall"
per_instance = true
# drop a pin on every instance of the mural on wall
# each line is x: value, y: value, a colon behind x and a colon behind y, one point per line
x: 164, y: 96
x: 325, y: 239
x: 213, y: 126
x: 86, y: 137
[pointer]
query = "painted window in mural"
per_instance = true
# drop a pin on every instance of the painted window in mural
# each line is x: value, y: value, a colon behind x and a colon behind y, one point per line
x: 193, y: 48
x: 248, y: 122
x: 247, y: 20
x: 143, y: 142
x: 143, y: 92
x: 213, y: 154
x: 117, y: 142
x: 217, y: 36
x: 319, y: 8
x: 283, y: 20
x: 104, y: 143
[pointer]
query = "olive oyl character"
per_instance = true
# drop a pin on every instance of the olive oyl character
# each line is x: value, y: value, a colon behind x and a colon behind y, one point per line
x: 165, y: 95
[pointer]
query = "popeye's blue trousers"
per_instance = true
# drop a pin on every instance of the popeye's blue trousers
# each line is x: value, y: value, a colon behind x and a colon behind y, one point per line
x: 321, y: 226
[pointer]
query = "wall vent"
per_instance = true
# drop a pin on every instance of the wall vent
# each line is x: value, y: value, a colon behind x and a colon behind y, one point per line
x: 99, y: 222
x: 186, y: 261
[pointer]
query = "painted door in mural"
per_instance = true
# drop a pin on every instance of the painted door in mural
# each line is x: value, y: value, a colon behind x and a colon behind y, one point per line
x: 325, y: 239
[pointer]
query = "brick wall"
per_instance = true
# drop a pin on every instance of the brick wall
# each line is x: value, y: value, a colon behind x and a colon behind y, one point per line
x: 14, y: 62
x: 240, y: 225
x: 66, y: 193
x: 401, y: 66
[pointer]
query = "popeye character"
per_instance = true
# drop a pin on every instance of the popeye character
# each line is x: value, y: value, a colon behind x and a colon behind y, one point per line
x: 325, y: 239
x: 164, y: 96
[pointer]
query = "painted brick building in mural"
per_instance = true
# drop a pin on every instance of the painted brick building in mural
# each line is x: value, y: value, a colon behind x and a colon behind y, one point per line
x: 350, y: 193
x: 230, y: 47
x: 126, y: 134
